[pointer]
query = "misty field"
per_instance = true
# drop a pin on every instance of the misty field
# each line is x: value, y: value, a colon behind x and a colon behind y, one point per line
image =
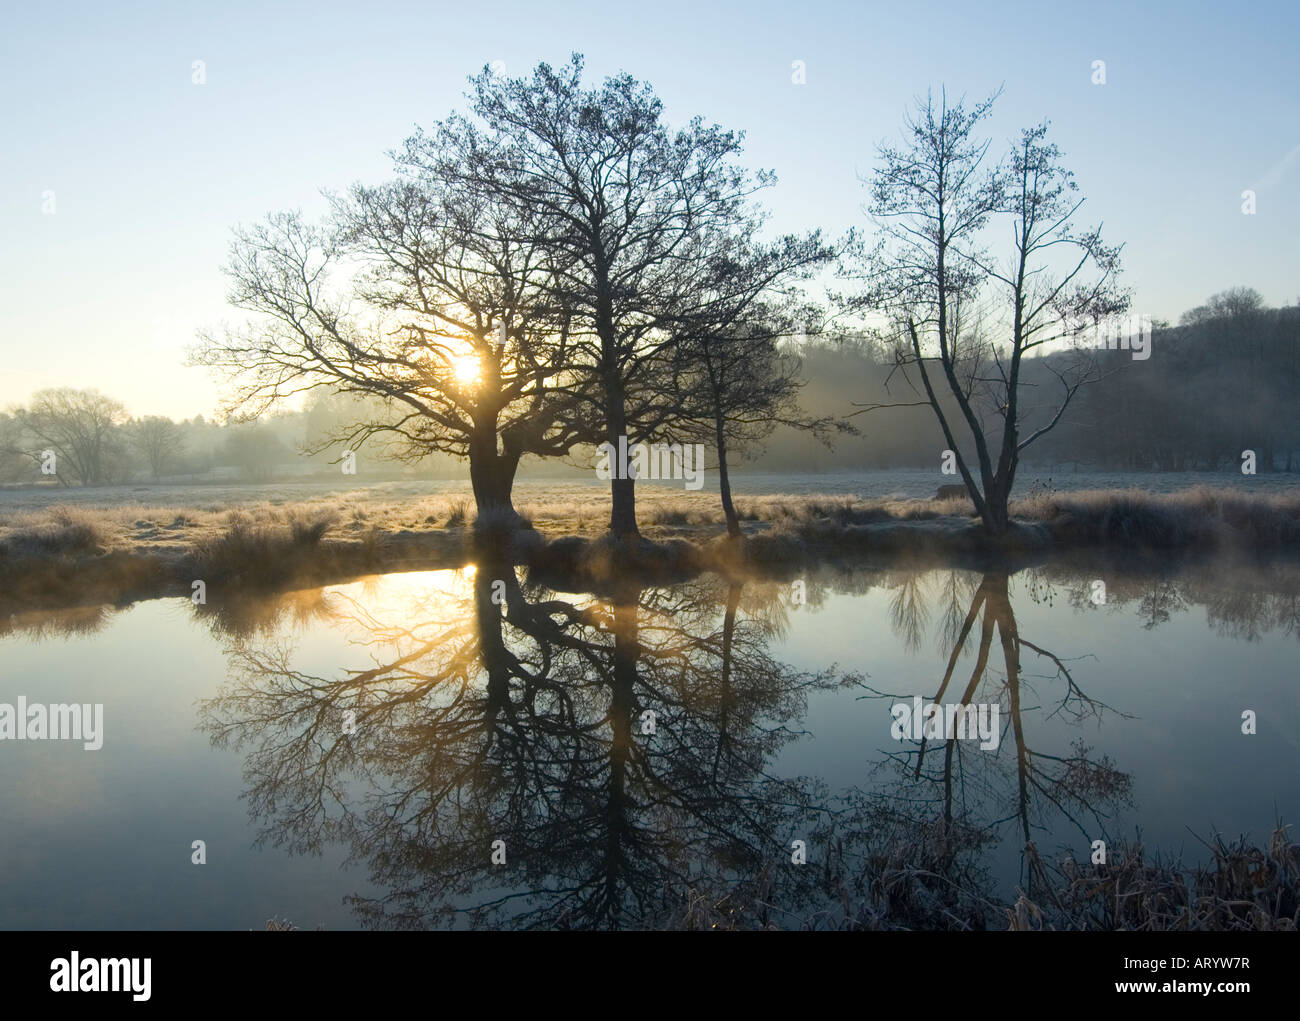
x: 61, y: 548
x: 164, y: 518
x: 905, y: 483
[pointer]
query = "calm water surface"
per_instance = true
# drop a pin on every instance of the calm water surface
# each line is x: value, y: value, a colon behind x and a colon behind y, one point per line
x: 350, y: 755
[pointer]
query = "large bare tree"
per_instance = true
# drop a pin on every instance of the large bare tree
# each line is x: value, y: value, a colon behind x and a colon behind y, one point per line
x: 159, y: 440
x: 420, y: 295
x: 624, y: 204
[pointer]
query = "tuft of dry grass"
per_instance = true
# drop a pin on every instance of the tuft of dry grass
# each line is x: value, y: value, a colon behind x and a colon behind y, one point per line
x: 62, y: 530
x: 1202, y: 516
x: 1243, y: 888
x: 498, y: 521
x: 284, y: 925
x: 458, y: 515
x: 259, y: 553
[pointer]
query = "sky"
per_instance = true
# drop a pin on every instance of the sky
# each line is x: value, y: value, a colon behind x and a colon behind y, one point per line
x: 122, y: 177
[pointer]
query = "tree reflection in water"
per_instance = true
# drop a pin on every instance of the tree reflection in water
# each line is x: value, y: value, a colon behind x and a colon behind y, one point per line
x: 618, y: 748
x: 954, y: 800
x: 622, y: 747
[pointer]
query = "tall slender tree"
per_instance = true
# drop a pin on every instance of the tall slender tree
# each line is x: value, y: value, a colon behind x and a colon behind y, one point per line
x: 739, y: 376
x: 965, y: 319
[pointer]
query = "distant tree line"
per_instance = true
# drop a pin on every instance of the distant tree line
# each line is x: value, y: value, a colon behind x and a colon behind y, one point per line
x: 1226, y: 379
x: 94, y: 441
x: 1223, y: 381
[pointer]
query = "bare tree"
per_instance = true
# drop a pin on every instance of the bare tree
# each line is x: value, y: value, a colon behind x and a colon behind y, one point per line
x: 414, y: 294
x: 469, y: 281
x: 736, y: 379
x: 255, y: 451
x: 80, y: 427
x: 16, y: 463
x: 158, y: 440
x: 623, y: 203
x: 965, y: 319
x: 1234, y: 303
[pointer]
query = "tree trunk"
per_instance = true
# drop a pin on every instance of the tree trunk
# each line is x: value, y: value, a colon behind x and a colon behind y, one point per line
x: 622, y: 706
x: 491, y: 473
x: 995, y: 514
x: 622, y: 492
x: 491, y: 641
x: 724, y: 480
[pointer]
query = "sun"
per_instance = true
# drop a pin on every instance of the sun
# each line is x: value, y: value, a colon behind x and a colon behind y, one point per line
x: 465, y: 369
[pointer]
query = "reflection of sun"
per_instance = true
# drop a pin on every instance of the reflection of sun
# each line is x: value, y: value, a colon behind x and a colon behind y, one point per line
x: 465, y: 369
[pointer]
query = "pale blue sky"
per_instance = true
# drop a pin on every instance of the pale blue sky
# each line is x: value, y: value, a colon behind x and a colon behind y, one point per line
x: 150, y: 172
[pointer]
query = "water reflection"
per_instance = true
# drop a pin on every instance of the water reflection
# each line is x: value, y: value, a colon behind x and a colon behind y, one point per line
x: 959, y: 793
x: 618, y: 748
x: 623, y: 748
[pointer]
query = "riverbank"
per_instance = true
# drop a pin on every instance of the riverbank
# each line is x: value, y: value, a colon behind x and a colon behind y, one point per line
x: 64, y: 555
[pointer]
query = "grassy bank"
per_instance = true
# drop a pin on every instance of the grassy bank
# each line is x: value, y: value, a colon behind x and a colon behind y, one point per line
x: 67, y: 556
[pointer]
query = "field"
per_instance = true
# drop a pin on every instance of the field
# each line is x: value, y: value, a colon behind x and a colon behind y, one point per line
x: 68, y: 547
